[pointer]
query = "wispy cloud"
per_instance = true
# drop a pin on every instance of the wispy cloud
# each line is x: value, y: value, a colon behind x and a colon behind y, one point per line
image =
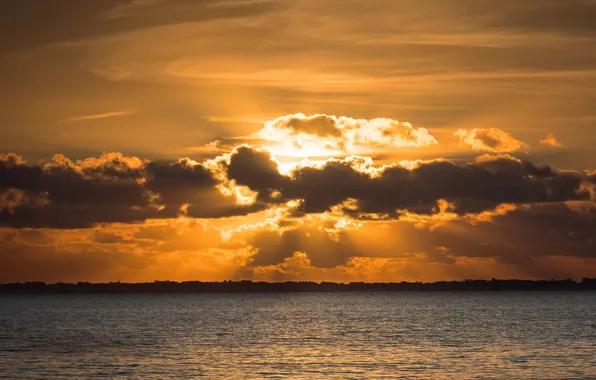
x: 104, y: 115
x: 126, y: 9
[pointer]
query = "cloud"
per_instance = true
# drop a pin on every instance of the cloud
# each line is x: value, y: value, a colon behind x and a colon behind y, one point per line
x: 552, y: 141
x: 255, y: 168
x: 11, y: 198
x: 116, y: 252
x: 528, y: 63
x: 196, y: 187
x: 326, y: 250
x: 523, y: 236
x: 474, y: 186
x: 95, y: 116
x: 78, y: 194
x: 111, y: 188
x: 323, y: 133
x: 489, y: 140
x: 528, y: 241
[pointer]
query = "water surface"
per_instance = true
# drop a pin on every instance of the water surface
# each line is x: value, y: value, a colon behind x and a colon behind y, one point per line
x: 344, y: 335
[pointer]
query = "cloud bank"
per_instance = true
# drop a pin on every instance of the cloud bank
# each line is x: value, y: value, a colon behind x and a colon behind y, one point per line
x: 244, y: 215
x: 112, y: 188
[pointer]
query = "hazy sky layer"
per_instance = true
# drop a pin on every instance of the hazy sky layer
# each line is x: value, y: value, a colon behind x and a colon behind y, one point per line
x: 323, y: 140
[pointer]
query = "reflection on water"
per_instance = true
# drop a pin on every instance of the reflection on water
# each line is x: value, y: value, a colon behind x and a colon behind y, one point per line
x: 427, y: 335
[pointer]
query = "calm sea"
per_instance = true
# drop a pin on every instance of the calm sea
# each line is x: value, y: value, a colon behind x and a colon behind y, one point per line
x: 356, y: 335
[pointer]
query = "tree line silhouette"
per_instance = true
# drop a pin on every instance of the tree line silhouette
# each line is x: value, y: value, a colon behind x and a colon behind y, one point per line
x: 292, y: 286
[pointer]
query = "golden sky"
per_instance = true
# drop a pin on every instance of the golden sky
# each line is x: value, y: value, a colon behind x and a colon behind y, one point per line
x: 324, y: 140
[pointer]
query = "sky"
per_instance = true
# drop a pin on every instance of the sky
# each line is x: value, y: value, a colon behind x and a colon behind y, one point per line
x: 319, y: 140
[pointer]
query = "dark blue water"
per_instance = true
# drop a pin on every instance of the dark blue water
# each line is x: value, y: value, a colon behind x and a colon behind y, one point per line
x: 427, y: 335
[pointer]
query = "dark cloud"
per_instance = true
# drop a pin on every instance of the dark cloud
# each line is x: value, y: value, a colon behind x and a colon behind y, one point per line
x: 505, y: 180
x: 335, y: 182
x: 71, y: 216
x: 113, y: 188
x: 192, y: 186
x: 256, y: 169
x: 64, y: 182
x: 11, y: 198
x: 180, y: 182
x: 525, y: 235
x: 76, y: 196
x: 520, y: 237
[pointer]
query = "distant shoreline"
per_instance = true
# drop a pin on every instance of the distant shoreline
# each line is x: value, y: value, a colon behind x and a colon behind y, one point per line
x: 198, y: 287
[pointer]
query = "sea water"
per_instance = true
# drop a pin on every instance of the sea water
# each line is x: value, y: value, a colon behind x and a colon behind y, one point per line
x: 305, y: 335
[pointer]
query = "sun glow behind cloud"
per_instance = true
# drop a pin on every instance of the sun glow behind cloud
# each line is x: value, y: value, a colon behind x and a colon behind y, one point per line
x: 244, y: 215
x: 292, y: 138
x: 319, y: 140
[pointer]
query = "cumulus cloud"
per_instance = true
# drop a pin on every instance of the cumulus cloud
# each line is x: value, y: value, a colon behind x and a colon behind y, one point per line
x: 111, y: 188
x: 77, y: 195
x: 489, y: 140
x: 61, y: 193
x: 552, y: 141
x: 255, y: 168
x: 345, y: 134
x: 474, y: 186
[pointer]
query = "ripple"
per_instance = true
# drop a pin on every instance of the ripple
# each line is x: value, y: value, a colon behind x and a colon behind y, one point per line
x: 413, y: 335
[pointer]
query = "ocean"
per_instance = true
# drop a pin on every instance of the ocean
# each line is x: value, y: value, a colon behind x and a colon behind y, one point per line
x: 460, y: 335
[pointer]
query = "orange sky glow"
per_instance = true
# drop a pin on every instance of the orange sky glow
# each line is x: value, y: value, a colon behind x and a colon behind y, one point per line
x: 333, y: 140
